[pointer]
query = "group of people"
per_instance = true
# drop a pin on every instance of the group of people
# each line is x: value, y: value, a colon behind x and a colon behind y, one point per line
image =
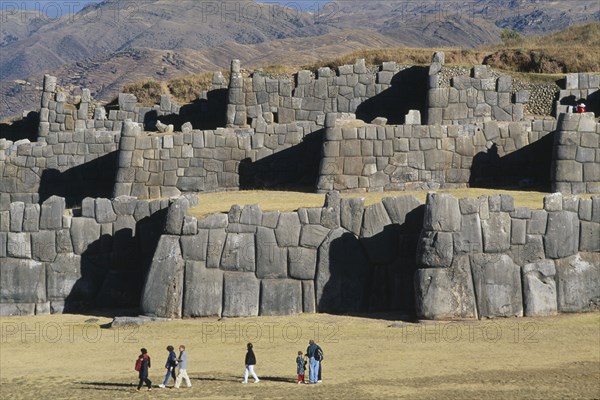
x: 143, y: 364
x: 313, y: 358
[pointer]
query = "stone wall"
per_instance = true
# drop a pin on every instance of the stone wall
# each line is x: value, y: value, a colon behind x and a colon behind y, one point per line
x: 576, y: 163
x: 368, y: 157
x: 578, y: 87
x: 308, y: 97
x: 471, y: 99
x: 344, y: 257
x: 53, y: 259
x: 71, y: 164
x: 485, y: 258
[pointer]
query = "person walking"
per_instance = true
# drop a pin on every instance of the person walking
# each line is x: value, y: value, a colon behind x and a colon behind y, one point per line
x: 170, y: 366
x: 311, y: 351
x: 182, y: 362
x: 143, y: 365
x: 300, y: 367
x: 250, y: 363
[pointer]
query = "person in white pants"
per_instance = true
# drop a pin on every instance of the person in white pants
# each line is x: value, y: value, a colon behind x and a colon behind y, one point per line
x: 250, y: 363
x: 182, y: 364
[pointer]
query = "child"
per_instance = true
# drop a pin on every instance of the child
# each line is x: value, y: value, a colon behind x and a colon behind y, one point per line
x: 170, y: 366
x: 144, y: 365
x: 250, y: 362
x: 301, y: 367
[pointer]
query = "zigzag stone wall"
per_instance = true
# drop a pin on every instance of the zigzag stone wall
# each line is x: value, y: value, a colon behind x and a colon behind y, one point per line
x: 53, y: 259
x: 576, y: 161
x: 485, y: 258
x: 344, y: 257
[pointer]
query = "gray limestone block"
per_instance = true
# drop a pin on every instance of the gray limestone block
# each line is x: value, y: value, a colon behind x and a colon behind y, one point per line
x: 504, y: 83
x: 518, y: 231
x: 213, y: 221
x: 271, y: 260
x: 17, y: 309
x: 62, y: 275
x: 234, y: 214
x: 577, y: 281
x: 313, y: 235
x: 496, y: 232
x: 468, y: 206
x: 239, y: 253
x: 52, y: 213
x: 31, y: 218
x: 399, y: 208
x: 539, y: 289
x: 469, y: 239
x: 22, y: 281
x: 18, y: 245
x: 442, y: 213
x: 251, y: 215
x: 17, y: 209
x: 562, y: 234
x: 280, y: 297
x: 596, y: 209
x: 351, y: 214
x: 568, y: 171
x: 288, y: 230
x: 270, y: 219
x: 88, y: 207
x: 531, y: 251
x: 175, y: 216
x: 445, y: 293
x: 3, y: 243
x: 190, y: 225
x: 216, y: 243
x: 63, y: 241
x: 589, y: 240
x: 43, y: 246
x: 308, y: 297
x: 497, y: 283
x: 104, y: 211
x: 162, y: 295
x: 537, y: 224
x: 341, y: 273
x: 241, y: 293
x: 585, y: 209
x: 435, y: 250
x: 125, y: 205
x: 84, y: 231
x: 302, y: 262
x: 203, y: 295
x: 195, y: 247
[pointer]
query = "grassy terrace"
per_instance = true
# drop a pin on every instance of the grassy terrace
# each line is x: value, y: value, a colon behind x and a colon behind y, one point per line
x: 221, y: 202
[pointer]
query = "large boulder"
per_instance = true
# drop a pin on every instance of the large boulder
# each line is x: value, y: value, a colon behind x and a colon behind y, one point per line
x: 163, y: 291
x: 445, y: 293
x: 241, y: 293
x: 280, y: 297
x: 203, y: 290
x: 539, y: 288
x: 497, y: 282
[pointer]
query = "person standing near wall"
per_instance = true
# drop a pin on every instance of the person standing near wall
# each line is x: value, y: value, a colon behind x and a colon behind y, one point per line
x: 250, y: 362
x: 319, y: 357
x: 313, y: 373
x: 143, y: 365
x: 182, y: 363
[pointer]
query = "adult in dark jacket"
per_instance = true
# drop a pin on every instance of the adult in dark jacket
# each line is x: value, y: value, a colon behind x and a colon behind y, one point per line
x: 145, y: 366
x: 170, y: 366
x: 250, y: 362
x: 311, y: 351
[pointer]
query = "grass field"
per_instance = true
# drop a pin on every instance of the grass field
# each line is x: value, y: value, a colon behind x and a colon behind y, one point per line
x: 211, y: 203
x: 65, y: 357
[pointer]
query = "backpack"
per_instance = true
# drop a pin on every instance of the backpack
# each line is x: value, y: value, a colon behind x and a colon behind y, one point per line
x: 319, y: 354
x: 138, y: 364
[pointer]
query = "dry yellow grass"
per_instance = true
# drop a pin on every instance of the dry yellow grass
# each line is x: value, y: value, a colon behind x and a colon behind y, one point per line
x: 63, y: 357
x: 221, y: 202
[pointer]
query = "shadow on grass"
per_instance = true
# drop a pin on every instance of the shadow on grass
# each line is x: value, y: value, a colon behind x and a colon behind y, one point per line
x: 106, y: 385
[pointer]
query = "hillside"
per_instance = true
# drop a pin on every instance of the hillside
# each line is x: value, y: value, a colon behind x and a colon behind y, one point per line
x: 108, y: 45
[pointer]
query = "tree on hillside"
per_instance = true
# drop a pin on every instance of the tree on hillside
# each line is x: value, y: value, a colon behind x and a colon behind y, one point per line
x: 509, y: 35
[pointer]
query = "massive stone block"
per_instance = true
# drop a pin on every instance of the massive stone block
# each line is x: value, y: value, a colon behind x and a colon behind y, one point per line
x: 562, y: 234
x: 280, y: 297
x: 435, y: 250
x: 539, y: 288
x: 84, y: 232
x: 469, y: 239
x: 62, y: 275
x: 445, y: 293
x: 313, y: 235
x: 203, y: 290
x: 351, y: 214
x: 497, y: 282
x: 52, y: 213
x: 308, y: 297
x: 442, y: 213
x: 271, y: 260
x: 195, y: 247
x: 379, y: 237
x: 163, y: 291
x: 288, y: 230
x: 175, y: 216
x: 238, y: 253
x: 302, y: 262
x: 241, y: 292
x: 496, y: 232
x: 399, y: 208
x: 22, y: 281
x: 577, y: 281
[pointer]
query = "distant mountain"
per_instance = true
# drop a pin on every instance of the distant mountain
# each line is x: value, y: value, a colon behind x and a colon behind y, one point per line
x: 115, y: 42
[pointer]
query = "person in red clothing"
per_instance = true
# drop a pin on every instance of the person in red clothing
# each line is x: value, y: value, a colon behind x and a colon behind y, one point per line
x: 581, y: 108
x: 143, y: 369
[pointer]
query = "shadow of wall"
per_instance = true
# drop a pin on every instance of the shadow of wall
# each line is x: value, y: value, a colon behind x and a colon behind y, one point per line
x: 26, y: 128
x: 408, y: 92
